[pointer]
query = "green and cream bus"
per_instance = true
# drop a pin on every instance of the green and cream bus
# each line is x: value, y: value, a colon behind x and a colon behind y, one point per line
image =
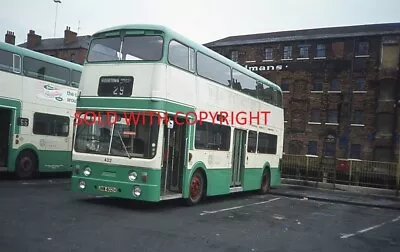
x: 137, y: 71
x: 37, y: 103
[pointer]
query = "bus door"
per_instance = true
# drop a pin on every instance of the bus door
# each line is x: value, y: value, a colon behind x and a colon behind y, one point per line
x: 174, y: 156
x: 6, y: 115
x: 238, y: 157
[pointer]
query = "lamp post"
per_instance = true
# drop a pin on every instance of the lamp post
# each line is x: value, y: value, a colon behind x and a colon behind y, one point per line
x: 55, y: 21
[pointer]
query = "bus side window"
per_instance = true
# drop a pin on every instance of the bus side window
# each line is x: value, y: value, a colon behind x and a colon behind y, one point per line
x: 16, y: 63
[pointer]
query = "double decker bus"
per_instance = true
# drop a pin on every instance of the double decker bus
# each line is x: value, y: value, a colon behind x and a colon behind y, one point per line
x: 142, y: 131
x: 37, y: 103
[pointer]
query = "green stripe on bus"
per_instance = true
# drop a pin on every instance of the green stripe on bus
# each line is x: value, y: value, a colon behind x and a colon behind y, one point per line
x: 111, y: 104
x: 219, y: 179
x: 49, y: 160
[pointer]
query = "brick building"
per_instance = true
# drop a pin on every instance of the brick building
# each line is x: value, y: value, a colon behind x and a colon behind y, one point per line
x: 71, y: 47
x: 341, y: 86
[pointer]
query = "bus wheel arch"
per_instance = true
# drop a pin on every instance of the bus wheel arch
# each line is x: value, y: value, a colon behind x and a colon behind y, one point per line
x: 265, y: 180
x: 26, y: 164
x: 197, y: 187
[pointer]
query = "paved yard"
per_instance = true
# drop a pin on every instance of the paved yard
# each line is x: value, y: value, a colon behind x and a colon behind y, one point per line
x: 44, y: 215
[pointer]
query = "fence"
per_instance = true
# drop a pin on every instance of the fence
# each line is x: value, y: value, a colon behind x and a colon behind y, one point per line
x: 342, y: 171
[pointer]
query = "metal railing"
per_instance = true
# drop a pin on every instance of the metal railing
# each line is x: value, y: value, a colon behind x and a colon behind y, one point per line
x: 354, y: 172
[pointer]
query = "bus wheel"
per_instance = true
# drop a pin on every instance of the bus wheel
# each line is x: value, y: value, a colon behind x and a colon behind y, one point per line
x: 196, y: 188
x: 265, y: 182
x: 26, y: 165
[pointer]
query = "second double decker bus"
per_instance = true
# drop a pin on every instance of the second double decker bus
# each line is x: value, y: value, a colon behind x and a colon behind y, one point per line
x: 38, y: 96
x: 133, y: 72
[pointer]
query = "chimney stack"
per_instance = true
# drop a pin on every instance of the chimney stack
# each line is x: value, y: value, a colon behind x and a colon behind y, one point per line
x: 10, y: 38
x: 33, y: 39
x: 69, y: 36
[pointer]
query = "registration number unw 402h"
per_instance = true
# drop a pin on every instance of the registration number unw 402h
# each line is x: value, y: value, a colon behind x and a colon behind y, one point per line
x: 107, y: 189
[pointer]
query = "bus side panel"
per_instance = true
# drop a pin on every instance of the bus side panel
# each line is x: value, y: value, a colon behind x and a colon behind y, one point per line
x: 275, y: 177
x: 48, y: 161
x: 252, y: 178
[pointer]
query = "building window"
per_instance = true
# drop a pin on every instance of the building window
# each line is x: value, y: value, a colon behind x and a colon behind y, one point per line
x: 317, y: 85
x: 269, y: 54
x: 287, y: 52
x: 73, y: 58
x: 321, y: 52
x: 234, y: 56
x: 285, y: 85
x: 338, y: 50
x: 355, y: 151
x: 329, y: 149
x: 332, y: 116
x: 390, y: 56
x: 358, y: 117
x: 303, y: 52
x: 312, y: 148
x: 315, y: 115
x: 363, y: 48
x: 360, y: 85
x: 335, y: 85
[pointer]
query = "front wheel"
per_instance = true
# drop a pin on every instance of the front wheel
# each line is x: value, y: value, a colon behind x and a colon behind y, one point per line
x: 26, y: 165
x: 196, y: 188
x: 265, y: 182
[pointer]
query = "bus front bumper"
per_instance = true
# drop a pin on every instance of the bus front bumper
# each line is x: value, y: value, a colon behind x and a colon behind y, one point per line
x: 135, y: 191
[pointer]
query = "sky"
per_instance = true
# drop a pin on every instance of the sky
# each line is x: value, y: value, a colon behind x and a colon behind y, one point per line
x: 202, y: 20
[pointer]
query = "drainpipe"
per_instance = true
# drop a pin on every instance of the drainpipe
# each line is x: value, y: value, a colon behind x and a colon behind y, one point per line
x: 349, y: 110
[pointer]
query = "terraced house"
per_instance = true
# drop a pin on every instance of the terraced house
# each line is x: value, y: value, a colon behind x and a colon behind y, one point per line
x: 341, y: 86
x: 71, y: 47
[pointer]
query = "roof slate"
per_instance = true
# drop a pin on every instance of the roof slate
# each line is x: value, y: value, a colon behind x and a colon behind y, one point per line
x: 58, y: 44
x: 308, y: 34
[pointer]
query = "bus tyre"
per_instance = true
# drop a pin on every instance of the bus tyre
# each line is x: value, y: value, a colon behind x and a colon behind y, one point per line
x: 26, y: 165
x: 196, y: 188
x: 265, y: 182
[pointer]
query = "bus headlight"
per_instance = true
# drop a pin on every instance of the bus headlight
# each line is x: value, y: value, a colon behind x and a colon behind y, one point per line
x: 136, y: 191
x: 87, y: 171
x: 132, y: 176
x: 82, y: 184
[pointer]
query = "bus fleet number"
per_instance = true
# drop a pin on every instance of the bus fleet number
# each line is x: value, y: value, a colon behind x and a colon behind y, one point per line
x: 108, y: 160
x: 118, y: 90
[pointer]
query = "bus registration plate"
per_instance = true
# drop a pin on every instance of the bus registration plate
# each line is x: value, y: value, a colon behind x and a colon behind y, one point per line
x: 107, y: 189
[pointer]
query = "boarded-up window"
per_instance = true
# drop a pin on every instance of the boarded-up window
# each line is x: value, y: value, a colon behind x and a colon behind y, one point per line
x: 383, y: 154
x: 338, y: 49
x: 387, y: 90
x: 298, y: 120
x: 384, y: 125
x: 299, y: 88
x: 390, y: 56
x: 295, y: 147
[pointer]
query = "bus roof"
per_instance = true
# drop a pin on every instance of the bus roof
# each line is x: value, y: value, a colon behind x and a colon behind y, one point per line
x: 40, y: 56
x: 194, y: 45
